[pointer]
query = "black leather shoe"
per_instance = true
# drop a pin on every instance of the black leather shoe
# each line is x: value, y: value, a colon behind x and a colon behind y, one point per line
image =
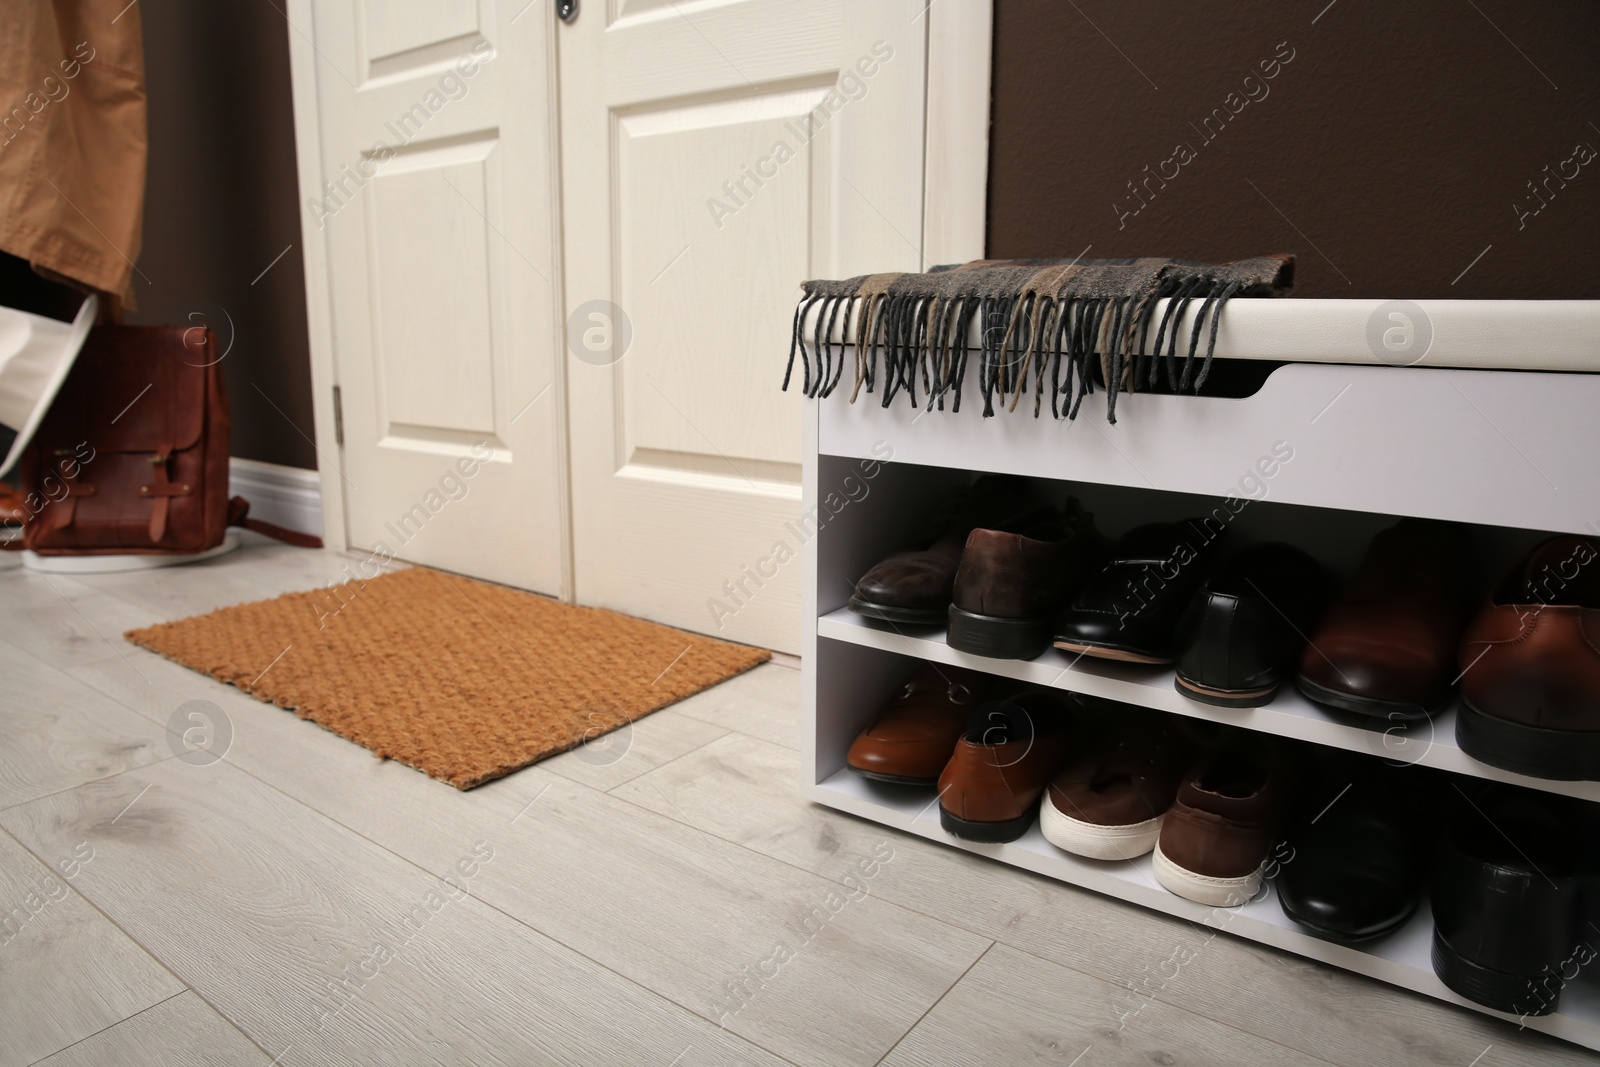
x: 1505, y: 902
x: 1356, y: 868
x: 1130, y: 609
x: 914, y: 587
x: 1243, y: 631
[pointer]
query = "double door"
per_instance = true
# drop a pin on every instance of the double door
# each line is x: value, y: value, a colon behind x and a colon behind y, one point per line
x: 561, y: 259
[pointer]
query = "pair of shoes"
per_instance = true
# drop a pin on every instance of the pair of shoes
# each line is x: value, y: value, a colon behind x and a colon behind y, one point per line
x: 1209, y: 816
x: 996, y: 574
x: 1243, y: 632
x: 1233, y: 629
x: 1530, y: 663
x: 914, y: 587
x: 1354, y: 870
x: 1506, y: 902
x: 1386, y: 649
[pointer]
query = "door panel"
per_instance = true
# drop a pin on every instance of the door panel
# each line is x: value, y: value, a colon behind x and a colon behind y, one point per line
x: 744, y: 146
x: 439, y: 207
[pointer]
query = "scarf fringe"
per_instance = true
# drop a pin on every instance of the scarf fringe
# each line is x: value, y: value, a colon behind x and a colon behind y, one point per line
x: 1049, y: 344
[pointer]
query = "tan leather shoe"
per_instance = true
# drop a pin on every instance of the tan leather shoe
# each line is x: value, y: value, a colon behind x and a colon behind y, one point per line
x: 989, y: 790
x: 1530, y: 687
x: 913, y: 737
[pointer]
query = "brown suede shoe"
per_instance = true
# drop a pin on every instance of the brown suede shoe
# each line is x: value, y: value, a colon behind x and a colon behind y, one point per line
x: 1110, y: 803
x: 1217, y: 835
x: 1013, y: 581
x: 990, y: 789
x: 912, y: 739
x: 913, y: 587
x: 1530, y: 687
x: 1387, y: 647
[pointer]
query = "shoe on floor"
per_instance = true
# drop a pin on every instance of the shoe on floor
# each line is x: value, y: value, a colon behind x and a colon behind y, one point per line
x: 913, y: 587
x: 1243, y: 631
x: 1216, y: 837
x: 1130, y: 608
x: 1013, y: 580
x: 1356, y: 870
x: 912, y: 738
x: 1530, y: 686
x: 1386, y: 648
x: 1110, y: 802
x: 1505, y: 902
x: 989, y: 791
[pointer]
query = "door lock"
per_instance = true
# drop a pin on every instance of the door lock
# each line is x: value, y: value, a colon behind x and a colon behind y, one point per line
x: 566, y: 10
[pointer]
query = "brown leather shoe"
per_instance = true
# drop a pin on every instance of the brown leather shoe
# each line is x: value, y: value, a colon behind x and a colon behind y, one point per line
x: 1530, y: 662
x: 912, y: 739
x: 1013, y: 581
x: 1387, y: 647
x: 1215, y: 839
x: 913, y: 587
x: 989, y: 790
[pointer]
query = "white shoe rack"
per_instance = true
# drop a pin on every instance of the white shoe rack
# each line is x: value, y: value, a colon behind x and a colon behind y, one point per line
x: 1513, y: 452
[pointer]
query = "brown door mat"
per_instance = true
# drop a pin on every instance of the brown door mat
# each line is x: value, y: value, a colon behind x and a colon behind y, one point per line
x: 460, y: 679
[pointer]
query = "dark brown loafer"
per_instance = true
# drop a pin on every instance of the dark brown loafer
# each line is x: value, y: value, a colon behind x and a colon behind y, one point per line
x: 912, y: 739
x: 1012, y: 582
x: 1215, y: 840
x: 1530, y: 687
x: 1387, y: 647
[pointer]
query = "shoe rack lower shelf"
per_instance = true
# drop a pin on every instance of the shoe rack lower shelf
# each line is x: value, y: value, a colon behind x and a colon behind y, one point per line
x: 1430, y: 742
x: 1402, y: 959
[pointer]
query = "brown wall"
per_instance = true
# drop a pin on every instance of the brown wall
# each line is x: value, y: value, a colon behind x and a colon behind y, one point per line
x: 1386, y: 154
x: 221, y: 202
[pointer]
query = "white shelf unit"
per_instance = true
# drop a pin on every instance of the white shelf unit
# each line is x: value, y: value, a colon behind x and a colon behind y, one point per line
x: 1512, y: 452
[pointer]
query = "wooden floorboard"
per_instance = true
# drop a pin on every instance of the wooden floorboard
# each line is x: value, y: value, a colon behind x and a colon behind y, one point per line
x: 56, y: 732
x: 66, y: 972
x: 323, y: 948
x: 1014, y: 1008
x: 180, y: 1032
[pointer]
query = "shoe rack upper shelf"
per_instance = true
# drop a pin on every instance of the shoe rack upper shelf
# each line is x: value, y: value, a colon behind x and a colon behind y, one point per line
x: 1549, y: 335
x: 1492, y: 447
x: 1427, y: 742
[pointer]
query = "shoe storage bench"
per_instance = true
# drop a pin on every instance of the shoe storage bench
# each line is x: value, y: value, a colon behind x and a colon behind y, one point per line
x: 1512, y: 452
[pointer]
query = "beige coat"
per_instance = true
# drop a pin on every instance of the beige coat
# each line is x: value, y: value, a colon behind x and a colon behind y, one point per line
x: 72, y: 139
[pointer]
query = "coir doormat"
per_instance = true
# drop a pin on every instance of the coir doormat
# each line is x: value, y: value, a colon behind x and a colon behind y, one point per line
x: 460, y: 679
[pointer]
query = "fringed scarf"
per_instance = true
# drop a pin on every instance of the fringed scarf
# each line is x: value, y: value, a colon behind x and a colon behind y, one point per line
x: 1040, y: 320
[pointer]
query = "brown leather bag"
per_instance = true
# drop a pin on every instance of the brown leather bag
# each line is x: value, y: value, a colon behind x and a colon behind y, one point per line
x: 133, y: 455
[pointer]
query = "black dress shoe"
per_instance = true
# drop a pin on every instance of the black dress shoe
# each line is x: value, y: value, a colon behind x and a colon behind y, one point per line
x: 913, y: 587
x: 1243, y: 631
x: 1130, y: 608
x: 1356, y: 869
x: 1505, y: 902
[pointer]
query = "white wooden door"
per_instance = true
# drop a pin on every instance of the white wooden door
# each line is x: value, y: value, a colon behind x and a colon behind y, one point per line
x: 438, y: 206
x: 715, y: 154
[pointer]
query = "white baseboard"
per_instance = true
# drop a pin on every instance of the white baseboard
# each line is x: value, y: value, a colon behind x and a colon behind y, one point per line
x: 290, y: 497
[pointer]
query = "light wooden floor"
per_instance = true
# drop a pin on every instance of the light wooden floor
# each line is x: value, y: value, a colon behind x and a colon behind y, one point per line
x: 289, y: 904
